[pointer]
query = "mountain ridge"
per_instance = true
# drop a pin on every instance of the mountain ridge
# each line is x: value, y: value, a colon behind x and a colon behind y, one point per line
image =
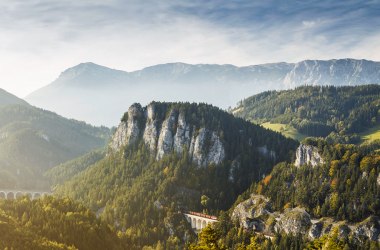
x: 91, y: 66
x: 88, y: 85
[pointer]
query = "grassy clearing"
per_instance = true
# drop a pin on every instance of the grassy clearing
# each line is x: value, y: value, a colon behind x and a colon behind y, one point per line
x: 284, y: 129
x: 371, y: 134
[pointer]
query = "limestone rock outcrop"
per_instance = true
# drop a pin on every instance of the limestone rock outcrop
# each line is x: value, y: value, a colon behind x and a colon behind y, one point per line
x: 294, y: 221
x: 307, y: 154
x: 255, y: 214
x: 248, y: 211
x: 167, y: 133
x: 369, y: 228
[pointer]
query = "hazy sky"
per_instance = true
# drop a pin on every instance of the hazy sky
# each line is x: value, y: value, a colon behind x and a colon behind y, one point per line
x: 41, y: 38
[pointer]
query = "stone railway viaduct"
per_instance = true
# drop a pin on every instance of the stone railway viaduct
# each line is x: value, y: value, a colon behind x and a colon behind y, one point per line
x: 199, y: 221
x: 13, y: 194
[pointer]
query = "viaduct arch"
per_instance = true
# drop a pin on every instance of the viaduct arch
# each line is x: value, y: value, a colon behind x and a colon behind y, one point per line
x: 199, y: 221
x: 14, y: 194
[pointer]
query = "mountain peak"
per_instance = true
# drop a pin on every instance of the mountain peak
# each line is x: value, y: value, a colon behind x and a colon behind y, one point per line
x: 89, y: 73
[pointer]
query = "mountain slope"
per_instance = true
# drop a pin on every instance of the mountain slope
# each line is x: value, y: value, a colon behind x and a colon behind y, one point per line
x: 33, y: 140
x: 167, y: 157
x: 337, y: 112
x: 88, y: 86
x: 8, y: 99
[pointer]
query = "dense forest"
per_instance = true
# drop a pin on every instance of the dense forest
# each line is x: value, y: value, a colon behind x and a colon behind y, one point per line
x: 225, y: 235
x: 129, y: 199
x: 65, y: 171
x: 143, y: 206
x: 143, y: 197
x: 338, y: 113
x: 345, y: 188
x: 50, y: 223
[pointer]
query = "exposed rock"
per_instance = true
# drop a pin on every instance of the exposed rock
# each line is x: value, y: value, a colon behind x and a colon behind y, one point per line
x: 369, y: 228
x: 294, y: 221
x: 119, y: 139
x: 307, y: 154
x: 164, y: 135
x: 378, y: 180
x: 198, y: 155
x: 166, y: 139
x: 254, y: 214
x: 249, y: 210
x: 151, y: 128
x: 316, y: 230
x: 135, y: 114
x: 215, y: 154
x: 364, y: 175
x: 128, y: 131
x: 182, y: 137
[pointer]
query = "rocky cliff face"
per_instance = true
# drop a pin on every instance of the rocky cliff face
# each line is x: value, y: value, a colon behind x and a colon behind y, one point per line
x: 166, y: 134
x: 255, y: 214
x: 307, y: 154
x: 332, y: 72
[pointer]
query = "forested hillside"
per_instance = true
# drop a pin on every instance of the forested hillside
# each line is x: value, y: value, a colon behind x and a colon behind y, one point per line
x: 333, y: 205
x: 49, y: 223
x: 143, y: 195
x: 33, y: 140
x: 338, y: 113
x: 346, y: 186
x: 65, y: 171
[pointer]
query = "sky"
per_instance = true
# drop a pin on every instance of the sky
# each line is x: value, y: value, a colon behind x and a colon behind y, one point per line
x: 41, y: 38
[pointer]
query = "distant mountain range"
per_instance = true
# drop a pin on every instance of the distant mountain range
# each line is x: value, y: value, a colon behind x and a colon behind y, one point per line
x: 33, y: 140
x: 99, y: 94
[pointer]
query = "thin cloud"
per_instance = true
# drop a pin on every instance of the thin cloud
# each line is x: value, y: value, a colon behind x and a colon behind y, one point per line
x: 41, y: 38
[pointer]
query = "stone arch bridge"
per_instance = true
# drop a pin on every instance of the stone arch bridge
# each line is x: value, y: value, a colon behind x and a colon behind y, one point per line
x: 199, y: 221
x: 14, y: 194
